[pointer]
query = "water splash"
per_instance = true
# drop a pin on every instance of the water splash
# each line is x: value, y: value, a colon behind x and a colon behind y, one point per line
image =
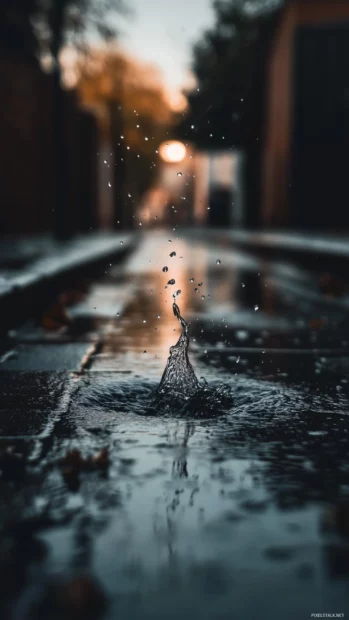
x: 180, y: 391
x: 179, y: 376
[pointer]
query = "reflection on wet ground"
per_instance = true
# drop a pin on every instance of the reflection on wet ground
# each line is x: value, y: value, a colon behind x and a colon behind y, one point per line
x: 219, y: 517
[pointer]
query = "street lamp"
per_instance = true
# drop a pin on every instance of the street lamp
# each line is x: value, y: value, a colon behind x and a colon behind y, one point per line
x: 172, y: 152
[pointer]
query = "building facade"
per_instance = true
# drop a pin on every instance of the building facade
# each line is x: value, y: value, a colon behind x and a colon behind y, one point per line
x: 304, y: 176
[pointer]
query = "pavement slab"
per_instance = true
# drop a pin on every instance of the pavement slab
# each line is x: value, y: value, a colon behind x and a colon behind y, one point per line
x: 32, y: 390
x: 50, y: 357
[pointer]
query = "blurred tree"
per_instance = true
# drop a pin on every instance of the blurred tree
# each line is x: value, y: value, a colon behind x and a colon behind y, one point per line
x: 44, y: 26
x: 134, y: 110
x: 74, y: 22
x: 228, y: 65
x: 227, y: 109
x: 16, y: 32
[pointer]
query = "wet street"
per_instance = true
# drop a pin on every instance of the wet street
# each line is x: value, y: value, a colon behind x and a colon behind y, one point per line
x: 110, y: 512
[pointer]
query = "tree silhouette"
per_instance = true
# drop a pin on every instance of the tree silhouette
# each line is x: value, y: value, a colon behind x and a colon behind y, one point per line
x: 227, y: 108
x: 228, y: 65
x: 17, y: 36
x: 135, y: 114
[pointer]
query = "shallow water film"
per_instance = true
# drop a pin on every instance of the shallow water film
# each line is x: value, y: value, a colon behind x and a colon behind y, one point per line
x: 222, y: 494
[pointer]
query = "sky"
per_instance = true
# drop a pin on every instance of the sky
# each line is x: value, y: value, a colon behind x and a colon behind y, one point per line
x: 162, y: 32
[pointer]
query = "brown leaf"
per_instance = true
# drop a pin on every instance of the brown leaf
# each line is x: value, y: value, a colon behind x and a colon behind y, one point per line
x: 56, y: 317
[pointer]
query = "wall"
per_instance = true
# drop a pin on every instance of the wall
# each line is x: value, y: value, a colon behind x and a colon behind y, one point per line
x: 276, y: 165
x: 26, y: 154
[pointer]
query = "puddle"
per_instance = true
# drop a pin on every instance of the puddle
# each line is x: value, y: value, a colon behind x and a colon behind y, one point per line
x: 210, y: 512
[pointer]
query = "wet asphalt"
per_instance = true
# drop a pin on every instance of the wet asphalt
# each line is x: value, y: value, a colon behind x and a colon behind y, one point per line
x: 109, y: 512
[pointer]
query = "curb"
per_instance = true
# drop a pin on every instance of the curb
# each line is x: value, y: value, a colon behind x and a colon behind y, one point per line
x: 30, y: 291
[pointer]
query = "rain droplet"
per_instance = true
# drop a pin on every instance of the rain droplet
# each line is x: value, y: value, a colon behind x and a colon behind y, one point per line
x: 178, y: 292
x: 144, y: 321
x: 218, y: 262
x: 170, y: 241
x: 199, y: 283
x: 191, y: 280
x: 109, y: 184
x: 256, y: 308
x: 202, y: 296
x: 118, y: 314
x: 121, y: 243
x: 238, y: 359
x: 158, y: 316
x: 173, y: 254
x: 172, y: 281
x: 241, y: 334
x: 164, y: 269
x: 196, y: 290
x: 243, y: 285
x: 179, y: 174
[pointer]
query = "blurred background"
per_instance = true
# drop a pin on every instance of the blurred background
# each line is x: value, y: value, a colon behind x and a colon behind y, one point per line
x: 120, y: 113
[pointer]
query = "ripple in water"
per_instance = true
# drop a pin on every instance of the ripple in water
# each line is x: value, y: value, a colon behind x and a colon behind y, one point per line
x: 251, y: 401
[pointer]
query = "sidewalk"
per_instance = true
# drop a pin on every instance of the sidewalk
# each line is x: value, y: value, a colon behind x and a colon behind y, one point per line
x: 313, y: 249
x: 33, y: 271
x: 283, y: 244
x: 314, y: 267
x: 100, y: 496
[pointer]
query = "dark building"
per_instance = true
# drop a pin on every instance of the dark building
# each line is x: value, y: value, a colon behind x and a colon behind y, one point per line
x: 28, y: 173
x: 304, y: 167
